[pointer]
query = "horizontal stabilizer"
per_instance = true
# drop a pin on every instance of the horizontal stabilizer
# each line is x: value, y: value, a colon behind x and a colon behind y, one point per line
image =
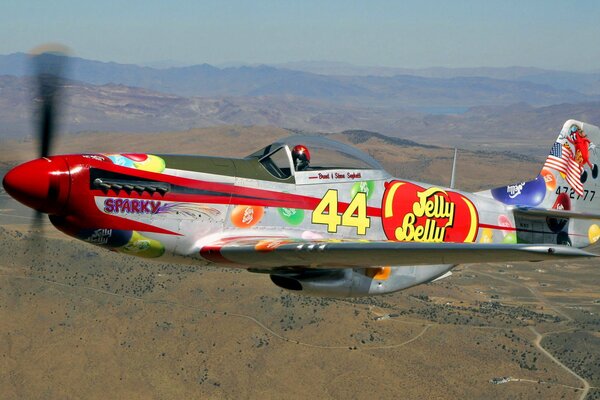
x: 553, y: 213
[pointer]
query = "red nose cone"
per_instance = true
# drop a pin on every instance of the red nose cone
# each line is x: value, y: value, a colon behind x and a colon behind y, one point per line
x: 41, y: 184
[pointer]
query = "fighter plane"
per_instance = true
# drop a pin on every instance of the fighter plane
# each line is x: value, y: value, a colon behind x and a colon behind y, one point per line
x: 320, y: 217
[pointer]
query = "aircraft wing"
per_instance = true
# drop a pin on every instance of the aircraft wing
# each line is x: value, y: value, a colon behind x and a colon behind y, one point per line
x: 283, y: 252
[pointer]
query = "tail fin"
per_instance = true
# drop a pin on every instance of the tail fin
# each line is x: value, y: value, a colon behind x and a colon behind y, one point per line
x: 571, y: 170
x: 562, y: 203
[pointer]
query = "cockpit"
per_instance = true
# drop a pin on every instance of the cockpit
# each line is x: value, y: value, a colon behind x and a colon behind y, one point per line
x: 281, y: 160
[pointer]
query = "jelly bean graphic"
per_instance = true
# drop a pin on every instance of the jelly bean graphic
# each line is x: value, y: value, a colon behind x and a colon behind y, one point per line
x: 270, y: 244
x: 141, y: 246
x: 291, y: 216
x: 367, y: 187
x: 487, y: 236
x: 510, y: 238
x: 504, y: 222
x: 246, y: 216
x: 594, y: 233
x: 563, y: 202
x: 136, y: 157
x: 529, y: 193
x: 151, y: 164
x: 310, y: 235
x: 549, y: 179
x: 118, y: 159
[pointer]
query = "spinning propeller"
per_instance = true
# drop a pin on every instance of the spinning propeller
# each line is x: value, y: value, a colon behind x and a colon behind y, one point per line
x: 37, y: 183
x: 49, y: 64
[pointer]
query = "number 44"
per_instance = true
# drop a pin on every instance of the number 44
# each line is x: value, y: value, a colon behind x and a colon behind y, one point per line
x: 332, y: 219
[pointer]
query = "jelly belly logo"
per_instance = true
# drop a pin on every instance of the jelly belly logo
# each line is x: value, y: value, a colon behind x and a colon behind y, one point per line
x: 415, y: 214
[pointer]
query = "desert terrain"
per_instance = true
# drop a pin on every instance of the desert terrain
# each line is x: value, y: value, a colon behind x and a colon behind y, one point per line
x: 81, y: 322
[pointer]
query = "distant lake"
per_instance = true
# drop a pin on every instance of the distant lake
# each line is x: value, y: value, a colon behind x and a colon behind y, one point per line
x: 442, y: 110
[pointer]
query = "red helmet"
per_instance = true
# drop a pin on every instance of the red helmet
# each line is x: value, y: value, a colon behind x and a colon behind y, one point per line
x: 301, y: 156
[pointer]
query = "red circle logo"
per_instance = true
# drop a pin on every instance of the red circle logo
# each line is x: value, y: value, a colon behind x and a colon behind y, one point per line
x: 412, y: 213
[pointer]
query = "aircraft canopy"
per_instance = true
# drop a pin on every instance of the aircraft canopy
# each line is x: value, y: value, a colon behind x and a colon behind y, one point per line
x: 324, y: 154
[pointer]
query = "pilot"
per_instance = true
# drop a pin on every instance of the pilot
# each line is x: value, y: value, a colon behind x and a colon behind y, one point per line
x: 301, y: 157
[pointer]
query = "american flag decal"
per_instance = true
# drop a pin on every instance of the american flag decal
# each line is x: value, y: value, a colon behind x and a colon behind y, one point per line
x: 561, y: 159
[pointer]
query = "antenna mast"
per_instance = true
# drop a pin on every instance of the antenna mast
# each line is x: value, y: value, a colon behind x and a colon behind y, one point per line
x: 453, y: 169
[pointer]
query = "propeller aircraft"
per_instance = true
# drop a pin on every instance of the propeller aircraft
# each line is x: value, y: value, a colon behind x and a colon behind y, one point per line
x: 318, y: 216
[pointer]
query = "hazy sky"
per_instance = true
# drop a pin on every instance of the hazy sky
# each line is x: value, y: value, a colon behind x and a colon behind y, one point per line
x: 548, y: 34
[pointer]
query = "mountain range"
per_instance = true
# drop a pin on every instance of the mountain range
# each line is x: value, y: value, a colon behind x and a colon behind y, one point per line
x: 470, y: 111
x: 111, y: 107
x: 407, y: 89
x: 584, y: 82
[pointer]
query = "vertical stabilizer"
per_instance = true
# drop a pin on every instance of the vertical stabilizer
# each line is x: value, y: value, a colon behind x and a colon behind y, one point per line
x: 572, y: 167
x: 569, y: 181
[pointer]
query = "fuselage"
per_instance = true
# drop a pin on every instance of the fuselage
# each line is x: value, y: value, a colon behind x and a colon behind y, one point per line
x: 179, y: 208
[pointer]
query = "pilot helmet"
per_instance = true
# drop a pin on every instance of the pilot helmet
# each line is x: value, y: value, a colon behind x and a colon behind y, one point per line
x: 301, y: 157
